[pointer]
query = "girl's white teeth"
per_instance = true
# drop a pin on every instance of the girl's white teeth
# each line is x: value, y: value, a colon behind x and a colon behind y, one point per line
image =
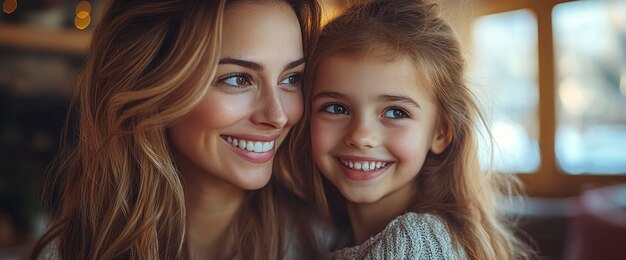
x: 252, y: 146
x: 363, y: 166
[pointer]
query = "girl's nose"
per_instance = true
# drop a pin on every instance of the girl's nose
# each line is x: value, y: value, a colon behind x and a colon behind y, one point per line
x: 362, y: 134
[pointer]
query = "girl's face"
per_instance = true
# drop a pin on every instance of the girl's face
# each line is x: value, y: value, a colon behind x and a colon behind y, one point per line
x: 253, y: 101
x: 373, y: 124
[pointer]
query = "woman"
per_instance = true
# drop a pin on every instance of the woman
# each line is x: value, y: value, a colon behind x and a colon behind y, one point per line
x: 181, y: 107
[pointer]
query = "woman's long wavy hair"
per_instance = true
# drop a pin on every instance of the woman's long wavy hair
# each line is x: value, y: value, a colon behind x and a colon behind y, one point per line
x: 120, y: 195
x: 451, y: 184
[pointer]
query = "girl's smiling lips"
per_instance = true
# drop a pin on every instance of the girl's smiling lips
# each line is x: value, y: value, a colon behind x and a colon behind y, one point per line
x: 362, y: 168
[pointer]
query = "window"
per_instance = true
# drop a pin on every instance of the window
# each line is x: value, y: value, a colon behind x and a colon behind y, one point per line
x: 574, y: 117
x: 590, y: 59
x: 505, y: 75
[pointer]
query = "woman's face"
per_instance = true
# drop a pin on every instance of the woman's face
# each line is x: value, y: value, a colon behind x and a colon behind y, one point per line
x: 252, y: 102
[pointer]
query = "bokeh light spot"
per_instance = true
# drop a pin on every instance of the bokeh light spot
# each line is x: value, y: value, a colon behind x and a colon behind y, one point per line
x: 8, y: 6
x: 83, y: 6
x: 82, y: 14
x: 82, y: 23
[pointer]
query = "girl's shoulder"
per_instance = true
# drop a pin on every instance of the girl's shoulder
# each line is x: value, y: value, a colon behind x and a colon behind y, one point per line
x: 409, y: 236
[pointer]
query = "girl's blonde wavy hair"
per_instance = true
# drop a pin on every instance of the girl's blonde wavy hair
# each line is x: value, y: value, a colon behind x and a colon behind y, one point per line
x: 451, y: 184
x: 120, y: 194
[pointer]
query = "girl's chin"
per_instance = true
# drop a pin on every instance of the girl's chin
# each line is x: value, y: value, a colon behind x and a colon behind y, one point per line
x: 356, y: 198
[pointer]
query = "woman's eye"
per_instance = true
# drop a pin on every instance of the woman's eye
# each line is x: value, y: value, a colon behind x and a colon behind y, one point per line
x: 335, y: 109
x: 237, y: 81
x: 396, y: 113
x: 293, y: 80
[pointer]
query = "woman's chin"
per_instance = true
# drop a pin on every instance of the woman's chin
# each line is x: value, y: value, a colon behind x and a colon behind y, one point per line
x: 254, y: 180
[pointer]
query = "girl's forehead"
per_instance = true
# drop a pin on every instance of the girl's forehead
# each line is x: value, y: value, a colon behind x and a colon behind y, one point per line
x: 369, y: 77
x: 357, y: 70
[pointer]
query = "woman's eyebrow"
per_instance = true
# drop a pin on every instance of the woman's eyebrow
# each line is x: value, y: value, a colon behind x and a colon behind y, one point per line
x: 243, y: 63
x: 258, y: 67
x: 396, y: 98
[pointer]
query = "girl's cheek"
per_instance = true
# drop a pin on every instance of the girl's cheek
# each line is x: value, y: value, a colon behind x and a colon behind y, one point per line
x: 324, y: 136
x: 406, y: 145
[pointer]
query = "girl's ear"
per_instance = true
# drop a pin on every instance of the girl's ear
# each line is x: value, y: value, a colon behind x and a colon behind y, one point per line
x: 442, y: 136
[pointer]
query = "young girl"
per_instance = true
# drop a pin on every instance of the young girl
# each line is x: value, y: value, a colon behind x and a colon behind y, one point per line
x: 390, y: 125
x: 181, y: 108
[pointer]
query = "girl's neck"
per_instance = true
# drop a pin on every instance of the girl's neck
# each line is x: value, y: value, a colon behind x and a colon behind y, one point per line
x: 370, y: 219
x: 211, y: 205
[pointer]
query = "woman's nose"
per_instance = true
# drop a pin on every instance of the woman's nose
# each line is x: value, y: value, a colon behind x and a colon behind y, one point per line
x: 270, y: 110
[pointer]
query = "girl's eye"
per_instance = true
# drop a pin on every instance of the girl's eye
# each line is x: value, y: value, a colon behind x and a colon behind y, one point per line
x: 335, y: 109
x: 395, y: 113
x: 293, y: 80
x: 236, y: 81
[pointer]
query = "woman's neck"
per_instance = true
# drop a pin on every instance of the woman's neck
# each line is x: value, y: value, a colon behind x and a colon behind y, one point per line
x: 210, y: 211
x: 370, y: 219
x: 211, y: 205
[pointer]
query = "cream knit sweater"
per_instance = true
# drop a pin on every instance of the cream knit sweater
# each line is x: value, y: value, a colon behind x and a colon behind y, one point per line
x: 410, y: 236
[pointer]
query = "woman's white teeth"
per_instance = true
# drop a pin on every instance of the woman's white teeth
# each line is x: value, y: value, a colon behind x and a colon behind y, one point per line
x: 252, y: 146
x: 267, y: 146
x: 364, y: 165
x: 249, y: 146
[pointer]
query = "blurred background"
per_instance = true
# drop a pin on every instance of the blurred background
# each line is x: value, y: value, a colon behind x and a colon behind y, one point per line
x: 550, y: 75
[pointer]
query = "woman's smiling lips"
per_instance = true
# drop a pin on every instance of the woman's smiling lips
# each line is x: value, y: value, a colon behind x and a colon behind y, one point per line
x: 361, y: 168
x: 254, y: 148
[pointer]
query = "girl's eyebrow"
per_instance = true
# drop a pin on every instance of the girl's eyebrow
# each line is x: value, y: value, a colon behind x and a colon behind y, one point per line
x: 402, y: 99
x: 294, y: 64
x: 330, y: 94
